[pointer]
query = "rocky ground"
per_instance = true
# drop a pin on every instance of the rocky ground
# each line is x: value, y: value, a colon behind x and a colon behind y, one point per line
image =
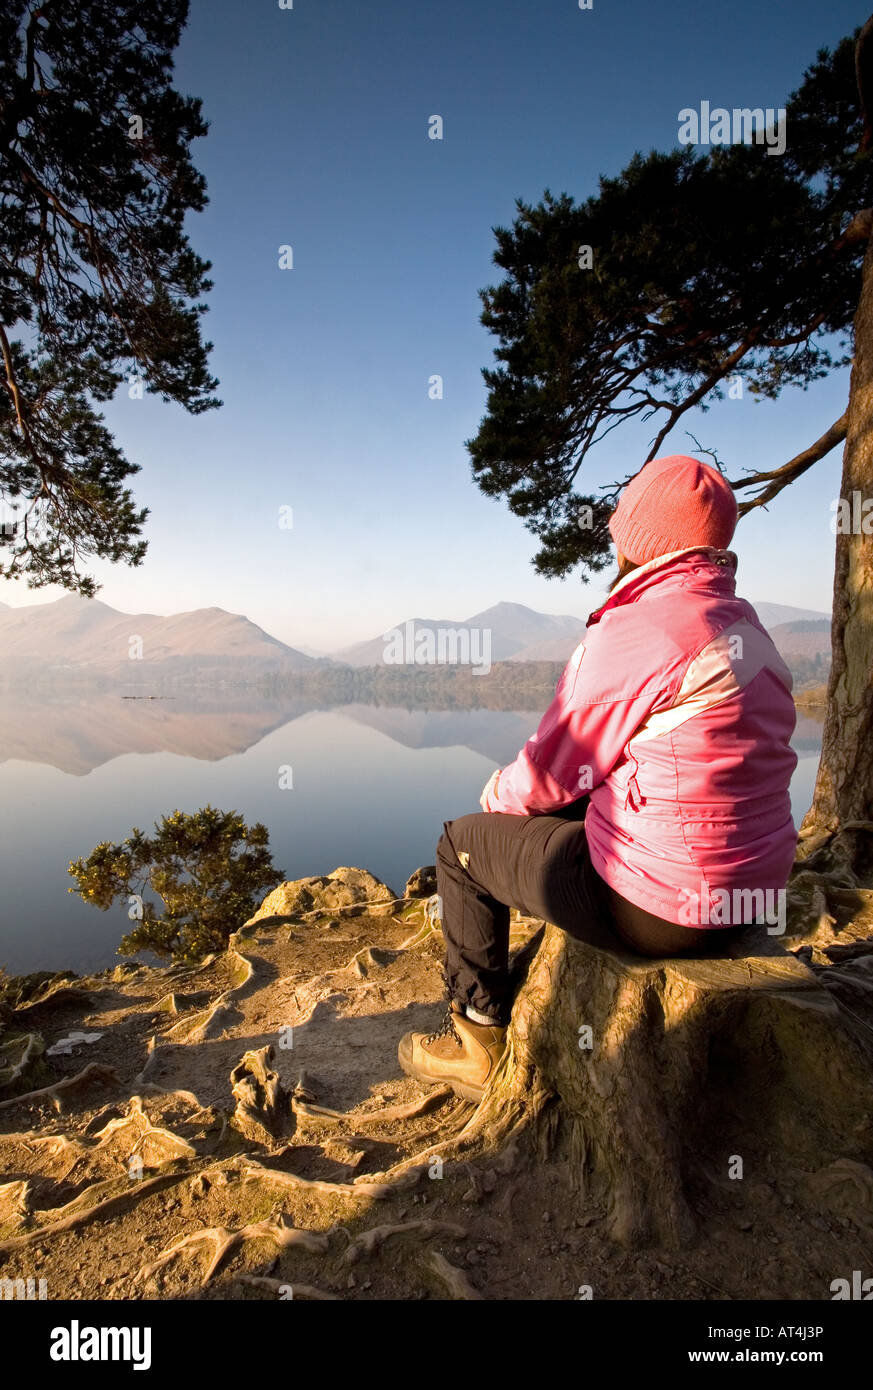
x: 241, y: 1129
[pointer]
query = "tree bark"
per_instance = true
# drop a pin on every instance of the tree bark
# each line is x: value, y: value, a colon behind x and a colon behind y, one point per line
x: 844, y: 785
x: 689, y: 1066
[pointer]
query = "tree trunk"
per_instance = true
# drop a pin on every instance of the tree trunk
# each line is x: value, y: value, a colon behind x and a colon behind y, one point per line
x: 844, y: 786
x: 651, y: 1078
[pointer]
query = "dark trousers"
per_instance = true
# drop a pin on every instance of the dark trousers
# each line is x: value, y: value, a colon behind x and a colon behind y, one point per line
x: 489, y: 863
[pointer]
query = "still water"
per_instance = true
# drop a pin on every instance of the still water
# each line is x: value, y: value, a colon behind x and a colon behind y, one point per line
x: 370, y: 786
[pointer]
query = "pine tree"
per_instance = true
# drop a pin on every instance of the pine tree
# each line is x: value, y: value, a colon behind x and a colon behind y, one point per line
x: 98, y: 282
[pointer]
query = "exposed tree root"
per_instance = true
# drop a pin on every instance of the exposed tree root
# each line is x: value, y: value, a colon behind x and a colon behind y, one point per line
x: 212, y: 1021
x: 838, y: 852
x: 279, y: 1231
x: 369, y: 1242
x: 849, y: 950
x: 156, y: 1145
x: 454, y: 1279
x: 188, y: 1097
x: 245, y: 969
x: 16, y: 1200
x: 110, y: 1206
x: 59, y: 1144
x: 251, y: 1171
x: 60, y: 1090
x: 410, y: 1169
x: 56, y: 992
x: 390, y: 1113
x: 370, y: 958
x: 142, y: 1081
x: 423, y: 934
x: 208, y: 1023
x: 86, y: 1200
x: 29, y: 1046
x: 175, y: 1003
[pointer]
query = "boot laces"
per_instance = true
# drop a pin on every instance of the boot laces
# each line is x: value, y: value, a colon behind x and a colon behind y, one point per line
x: 446, y: 1029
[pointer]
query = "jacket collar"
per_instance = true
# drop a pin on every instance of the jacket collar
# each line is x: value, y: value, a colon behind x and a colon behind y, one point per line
x: 632, y: 584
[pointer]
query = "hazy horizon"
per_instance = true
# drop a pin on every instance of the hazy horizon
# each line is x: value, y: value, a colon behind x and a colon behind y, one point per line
x: 334, y: 647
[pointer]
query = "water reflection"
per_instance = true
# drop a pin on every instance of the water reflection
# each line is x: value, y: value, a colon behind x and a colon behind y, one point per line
x: 371, y: 786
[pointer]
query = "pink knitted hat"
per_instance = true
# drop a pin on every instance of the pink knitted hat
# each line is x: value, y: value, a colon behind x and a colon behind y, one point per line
x: 673, y: 503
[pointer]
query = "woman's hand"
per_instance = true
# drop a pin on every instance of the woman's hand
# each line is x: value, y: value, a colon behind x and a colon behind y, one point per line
x: 489, y: 788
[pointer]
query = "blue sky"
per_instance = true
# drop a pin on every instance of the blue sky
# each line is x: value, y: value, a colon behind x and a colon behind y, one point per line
x: 319, y: 140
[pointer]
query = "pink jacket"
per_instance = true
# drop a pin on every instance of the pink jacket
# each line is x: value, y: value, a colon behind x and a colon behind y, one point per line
x: 675, y: 713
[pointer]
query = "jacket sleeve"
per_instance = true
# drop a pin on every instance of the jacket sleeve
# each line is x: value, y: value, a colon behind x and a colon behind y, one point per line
x: 600, y: 701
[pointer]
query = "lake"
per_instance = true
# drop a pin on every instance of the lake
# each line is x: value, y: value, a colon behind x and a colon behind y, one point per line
x: 370, y: 787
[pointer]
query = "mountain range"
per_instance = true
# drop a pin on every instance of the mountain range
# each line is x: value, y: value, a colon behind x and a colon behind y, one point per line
x: 75, y: 635
x: 76, y: 638
x: 517, y: 634
x: 521, y: 634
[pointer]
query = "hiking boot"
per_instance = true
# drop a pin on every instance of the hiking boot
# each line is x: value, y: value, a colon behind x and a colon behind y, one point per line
x: 461, y: 1054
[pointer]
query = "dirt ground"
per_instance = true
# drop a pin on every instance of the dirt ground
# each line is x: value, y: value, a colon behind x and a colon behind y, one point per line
x: 146, y: 1179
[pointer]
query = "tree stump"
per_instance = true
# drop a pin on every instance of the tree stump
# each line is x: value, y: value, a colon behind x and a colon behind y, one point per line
x: 645, y: 1074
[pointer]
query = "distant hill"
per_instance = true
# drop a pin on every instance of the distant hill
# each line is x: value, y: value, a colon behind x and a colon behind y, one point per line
x: 808, y: 638
x: 517, y: 633
x: 84, y: 638
x: 372, y: 651
x: 775, y: 614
